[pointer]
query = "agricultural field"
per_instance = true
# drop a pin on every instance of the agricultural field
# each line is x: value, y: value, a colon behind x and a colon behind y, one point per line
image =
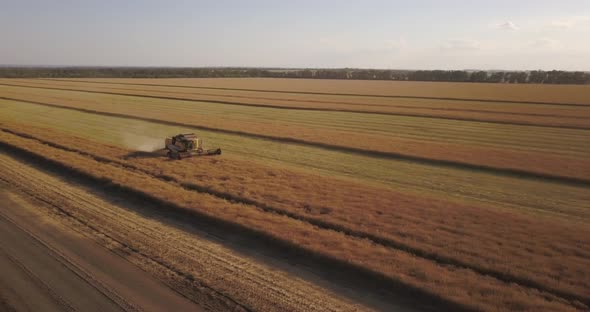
x: 445, y: 196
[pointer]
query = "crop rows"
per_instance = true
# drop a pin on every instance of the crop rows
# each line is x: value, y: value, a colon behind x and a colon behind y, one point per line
x: 434, y: 205
x: 409, y: 226
x: 445, y: 281
x: 525, y: 149
x: 499, y: 191
x: 495, y: 112
x: 461, y: 253
x: 435, y: 90
x: 189, y: 264
x: 561, y: 116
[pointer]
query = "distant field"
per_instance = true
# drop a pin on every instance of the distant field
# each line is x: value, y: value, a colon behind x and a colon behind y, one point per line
x: 519, y: 93
x: 482, y: 193
x: 498, y: 111
x: 504, y: 146
x: 441, y: 181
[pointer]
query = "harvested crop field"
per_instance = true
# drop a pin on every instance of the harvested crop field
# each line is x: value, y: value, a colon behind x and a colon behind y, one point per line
x: 456, y: 196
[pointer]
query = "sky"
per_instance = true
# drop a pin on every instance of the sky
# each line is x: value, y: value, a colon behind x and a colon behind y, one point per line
x: 420, y: 34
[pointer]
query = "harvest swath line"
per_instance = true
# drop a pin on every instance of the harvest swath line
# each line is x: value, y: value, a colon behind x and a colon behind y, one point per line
x: 375, y: 277
x: 337, y: 94
x: 488, y: 111
x: 77, y: 270
x: 386, y: 155
x: 313, y: 109
x: 337, y: 103
x: 110, y: 237
x: 374, y: 132
x: 109, y: 129
x: 64, y: 304
x: 32, y: 155
x: 503, y: 276
x: 135, y: 227
x: 219, y: 170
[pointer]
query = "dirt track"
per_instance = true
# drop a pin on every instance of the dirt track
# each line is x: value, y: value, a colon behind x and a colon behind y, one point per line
x: 200, y: 269
x: 47, y: 267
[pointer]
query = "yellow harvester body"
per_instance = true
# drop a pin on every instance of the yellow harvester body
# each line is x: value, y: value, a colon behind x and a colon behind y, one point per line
x: 187, y: 145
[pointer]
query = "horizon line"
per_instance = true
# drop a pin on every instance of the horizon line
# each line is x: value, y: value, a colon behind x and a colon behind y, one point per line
x: 272, y: 68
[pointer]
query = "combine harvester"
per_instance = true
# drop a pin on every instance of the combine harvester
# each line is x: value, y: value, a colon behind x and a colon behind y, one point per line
x: 187, y: 145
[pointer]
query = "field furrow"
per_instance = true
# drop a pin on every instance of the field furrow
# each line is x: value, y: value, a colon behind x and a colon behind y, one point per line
x: 515, y: 148
x: 220, y: 269
x: 401, y: 267
x: 518, y: 94
x: 465, y: 253
x: 579, y: 117
x: 493, y: 112
x: 460, y: 196
x: 403, y: 175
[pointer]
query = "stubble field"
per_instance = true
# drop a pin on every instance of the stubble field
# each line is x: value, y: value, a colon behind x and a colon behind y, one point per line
x: 475, y: 195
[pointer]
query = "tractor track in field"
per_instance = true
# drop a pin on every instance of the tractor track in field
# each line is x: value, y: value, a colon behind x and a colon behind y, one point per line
x: 60, y: 301
x: 88, y: 277
x: 508, y: 172
x: 239, y: 282
x: 481, y: 120
x: 336, y: 94
x: 38, y: 184
x: 442, y: 109
x: 389, y: 243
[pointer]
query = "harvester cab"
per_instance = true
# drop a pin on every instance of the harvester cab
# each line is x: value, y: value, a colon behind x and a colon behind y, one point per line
x: 187, y: 145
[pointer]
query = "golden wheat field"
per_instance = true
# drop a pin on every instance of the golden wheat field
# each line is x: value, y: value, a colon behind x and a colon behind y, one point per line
x: 466, y: 196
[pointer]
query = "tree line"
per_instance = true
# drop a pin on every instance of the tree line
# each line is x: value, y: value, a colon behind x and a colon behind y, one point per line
x: 535, y: 76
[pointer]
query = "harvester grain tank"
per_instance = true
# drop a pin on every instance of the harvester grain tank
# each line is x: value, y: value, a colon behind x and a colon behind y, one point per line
x: 187, y: 145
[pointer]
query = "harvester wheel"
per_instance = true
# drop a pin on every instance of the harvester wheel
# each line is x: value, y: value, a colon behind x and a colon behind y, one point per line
x: 178, y: 156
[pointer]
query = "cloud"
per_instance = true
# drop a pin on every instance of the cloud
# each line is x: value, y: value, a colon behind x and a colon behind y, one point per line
x: 461, y: 44
x: 507, y: 25
x: 570, y: 22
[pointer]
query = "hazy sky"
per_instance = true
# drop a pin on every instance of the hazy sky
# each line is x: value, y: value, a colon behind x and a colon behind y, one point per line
x: 449, y: 34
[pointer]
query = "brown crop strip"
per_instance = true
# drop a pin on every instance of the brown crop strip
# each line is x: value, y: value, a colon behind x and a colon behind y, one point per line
x: 323, y: 260
x: 338, y: 94
x: 387, y: 155
x: 249, y: 97
x: 443, y: 260
x: 313, y: 109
